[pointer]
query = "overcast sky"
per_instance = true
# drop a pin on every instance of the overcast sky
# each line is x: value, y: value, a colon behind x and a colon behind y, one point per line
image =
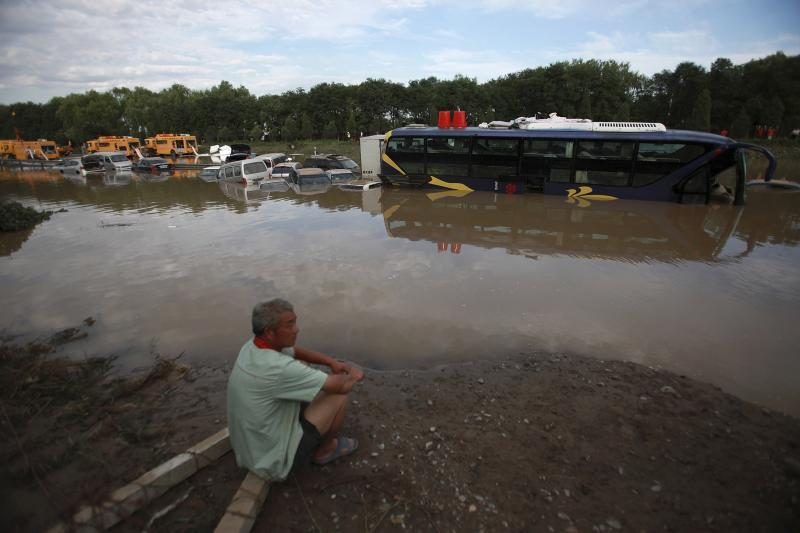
x: 56, y: 47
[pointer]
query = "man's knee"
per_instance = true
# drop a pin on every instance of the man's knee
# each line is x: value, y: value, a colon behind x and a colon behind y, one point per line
x: 323, y: 410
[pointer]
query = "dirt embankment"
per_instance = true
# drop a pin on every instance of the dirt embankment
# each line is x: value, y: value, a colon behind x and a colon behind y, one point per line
x: 535, y: 443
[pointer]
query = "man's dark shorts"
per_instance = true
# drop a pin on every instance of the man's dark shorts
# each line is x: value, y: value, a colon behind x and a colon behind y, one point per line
x: 308, y: 443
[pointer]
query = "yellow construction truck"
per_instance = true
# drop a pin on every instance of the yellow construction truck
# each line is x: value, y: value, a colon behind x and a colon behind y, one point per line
x: 114, y: 143
x: 20, y: 149
x: 171, y: 144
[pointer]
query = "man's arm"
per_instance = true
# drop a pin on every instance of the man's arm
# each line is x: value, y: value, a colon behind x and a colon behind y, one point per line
x: 319, y: 358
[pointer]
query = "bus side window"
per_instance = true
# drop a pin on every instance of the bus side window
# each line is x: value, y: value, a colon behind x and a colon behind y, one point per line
x: 494, y: 158
x: 447, y: 156
x: 604, y: 162
x: 408, y: 153
x: 546, y: 160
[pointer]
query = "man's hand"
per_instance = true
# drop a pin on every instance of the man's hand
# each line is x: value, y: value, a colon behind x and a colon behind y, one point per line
x: 338, y: 367
x: 356, y: 373
x: 343, y: 382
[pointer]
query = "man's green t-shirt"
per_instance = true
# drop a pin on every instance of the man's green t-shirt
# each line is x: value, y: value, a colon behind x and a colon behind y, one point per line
x: 265, y: 390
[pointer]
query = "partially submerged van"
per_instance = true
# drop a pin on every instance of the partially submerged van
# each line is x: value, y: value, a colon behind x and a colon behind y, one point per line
x: 106, y: 161
x: 271, y: 160
x: 246, y: 171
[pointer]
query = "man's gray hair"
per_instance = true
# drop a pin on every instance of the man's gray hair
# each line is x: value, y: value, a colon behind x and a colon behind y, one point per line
x: 267, y: 315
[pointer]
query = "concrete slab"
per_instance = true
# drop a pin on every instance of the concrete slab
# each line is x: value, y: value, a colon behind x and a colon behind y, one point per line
x: 243, y: 510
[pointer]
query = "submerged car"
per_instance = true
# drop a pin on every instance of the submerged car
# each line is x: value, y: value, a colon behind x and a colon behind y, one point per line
x: 106, y: 161
x: 152, y: 164
x: 310, y: 181
x: 71, y: 166
x: 246, y: 171
x: 338, y: 175
x: 210, y: 173
x: 286, y: 171
x: 239, y: 152
x: 333, y: 161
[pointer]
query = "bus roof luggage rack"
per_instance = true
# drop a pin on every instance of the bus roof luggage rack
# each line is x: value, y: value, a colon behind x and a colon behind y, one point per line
x: 554, y: 122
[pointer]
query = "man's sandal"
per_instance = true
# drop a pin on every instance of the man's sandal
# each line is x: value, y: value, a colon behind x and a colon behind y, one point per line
x: 344, y: 446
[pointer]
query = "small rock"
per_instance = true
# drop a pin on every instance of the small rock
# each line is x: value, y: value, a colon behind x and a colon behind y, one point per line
x: 374, y: 454
x: 656, y: 488
x: 613, y: 523
x: 430, y: 403
x: 666, y: 389
x: 472, y: 508
x: 381, y: 446
x: 333, y: 497
x: 564, y: 516
x: 432, y: 429
x: 480, y: 380
x: 462, y: 498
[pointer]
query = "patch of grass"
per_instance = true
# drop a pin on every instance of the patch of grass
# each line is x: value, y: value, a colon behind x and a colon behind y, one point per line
x: 15, y: 217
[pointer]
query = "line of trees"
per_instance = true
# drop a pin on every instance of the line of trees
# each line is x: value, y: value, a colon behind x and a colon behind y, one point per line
x: 726, y: 97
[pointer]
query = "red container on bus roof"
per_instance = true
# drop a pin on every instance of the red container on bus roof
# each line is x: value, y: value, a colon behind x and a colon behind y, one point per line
x: 444, y: 119
x: 459, y: 119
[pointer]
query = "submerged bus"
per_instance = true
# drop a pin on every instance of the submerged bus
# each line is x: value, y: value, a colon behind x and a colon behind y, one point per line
x: 580, y: 159
x: 171, y: 144
x: 113, y: 143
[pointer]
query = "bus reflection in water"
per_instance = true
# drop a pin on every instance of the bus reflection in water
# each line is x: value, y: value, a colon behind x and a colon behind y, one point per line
x: 538, y: 225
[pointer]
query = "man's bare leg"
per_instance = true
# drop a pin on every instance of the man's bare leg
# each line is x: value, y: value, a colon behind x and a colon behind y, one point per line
x: 327, y: 412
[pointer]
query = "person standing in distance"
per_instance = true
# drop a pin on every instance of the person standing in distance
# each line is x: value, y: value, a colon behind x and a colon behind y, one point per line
x: 283, y: 413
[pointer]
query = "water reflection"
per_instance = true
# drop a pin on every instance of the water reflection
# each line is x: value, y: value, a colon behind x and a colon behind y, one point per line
x: 397, y: 278
x: 12, y: 241
x: 533, y: 226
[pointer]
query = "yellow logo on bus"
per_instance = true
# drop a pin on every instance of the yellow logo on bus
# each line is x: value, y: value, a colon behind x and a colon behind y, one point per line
x: 583, y: 197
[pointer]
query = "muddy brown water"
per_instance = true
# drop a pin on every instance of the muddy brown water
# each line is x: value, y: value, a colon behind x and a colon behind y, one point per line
x: 398, y: 279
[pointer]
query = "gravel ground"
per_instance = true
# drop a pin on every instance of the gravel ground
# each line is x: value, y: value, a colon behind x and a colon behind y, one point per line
x: 535, y: 443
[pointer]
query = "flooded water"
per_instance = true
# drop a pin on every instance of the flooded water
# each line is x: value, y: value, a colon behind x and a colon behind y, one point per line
x: 399, y: 278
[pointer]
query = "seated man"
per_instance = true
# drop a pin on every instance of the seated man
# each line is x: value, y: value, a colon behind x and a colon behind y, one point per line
x: 281, y: 412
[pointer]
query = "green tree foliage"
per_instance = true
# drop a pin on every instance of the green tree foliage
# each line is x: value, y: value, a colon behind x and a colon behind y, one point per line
x: 763, y: 91
x: 86, y: 116
x: 742, y: 125
x: 352, y: 125
x: 330, y: 131
x: 306, y: 127
x: 701, y: 114
x: 289, y: 129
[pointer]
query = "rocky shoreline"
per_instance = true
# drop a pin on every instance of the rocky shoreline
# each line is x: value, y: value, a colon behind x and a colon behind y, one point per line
x: 539, y: 442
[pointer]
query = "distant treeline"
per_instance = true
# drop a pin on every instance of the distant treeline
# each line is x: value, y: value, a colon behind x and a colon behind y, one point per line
x: 727, y: 97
